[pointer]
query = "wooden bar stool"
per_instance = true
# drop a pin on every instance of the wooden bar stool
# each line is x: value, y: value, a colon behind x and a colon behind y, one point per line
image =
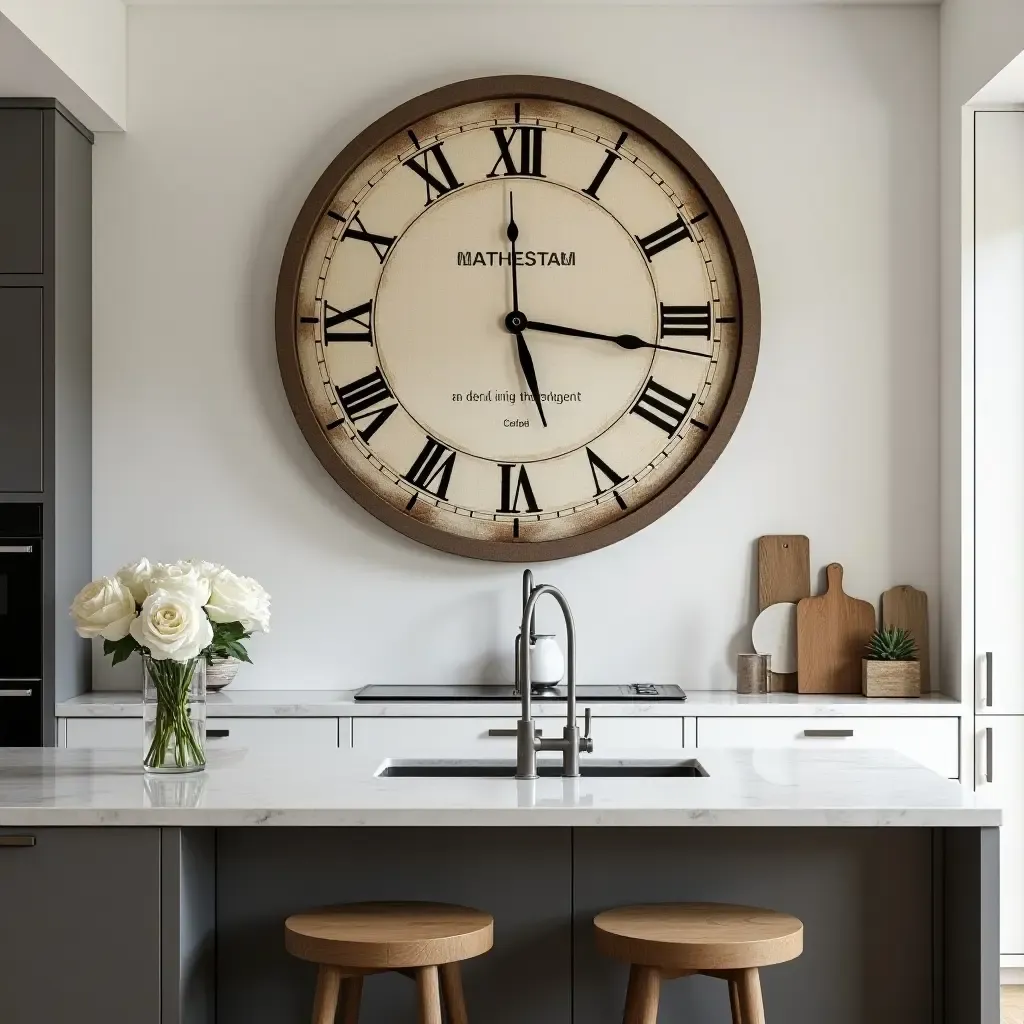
x: 674, y: 940
x: 424, y: 941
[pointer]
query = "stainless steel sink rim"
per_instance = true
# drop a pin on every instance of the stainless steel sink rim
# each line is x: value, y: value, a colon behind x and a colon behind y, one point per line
x: 483, y: 769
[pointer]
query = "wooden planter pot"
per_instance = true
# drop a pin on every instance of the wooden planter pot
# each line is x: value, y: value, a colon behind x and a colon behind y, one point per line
x: 891, y: 678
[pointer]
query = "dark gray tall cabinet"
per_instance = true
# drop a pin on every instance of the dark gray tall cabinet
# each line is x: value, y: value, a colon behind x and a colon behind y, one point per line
x: 46, y: 363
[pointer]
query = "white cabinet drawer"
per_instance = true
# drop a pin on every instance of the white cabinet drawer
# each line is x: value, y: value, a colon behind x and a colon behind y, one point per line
x: 254, y: 733
x: 272, y: 733
x: 104, y: 732
x: 471, y: 737
x: 934, y: 742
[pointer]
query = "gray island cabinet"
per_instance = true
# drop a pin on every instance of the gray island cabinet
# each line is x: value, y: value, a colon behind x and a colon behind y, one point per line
x: 155, y: 899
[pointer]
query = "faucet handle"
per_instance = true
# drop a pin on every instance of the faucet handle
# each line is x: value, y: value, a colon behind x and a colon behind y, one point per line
x: 586, y: 743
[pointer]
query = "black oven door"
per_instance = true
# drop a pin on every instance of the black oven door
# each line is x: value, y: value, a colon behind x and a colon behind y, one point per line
x: 21, y: 641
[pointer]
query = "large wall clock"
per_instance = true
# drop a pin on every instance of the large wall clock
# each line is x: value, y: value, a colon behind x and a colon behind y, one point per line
x: 518, y: 318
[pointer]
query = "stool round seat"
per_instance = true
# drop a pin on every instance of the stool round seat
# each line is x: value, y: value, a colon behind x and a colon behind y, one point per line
x: 699, y: 936
x: 389, y: 936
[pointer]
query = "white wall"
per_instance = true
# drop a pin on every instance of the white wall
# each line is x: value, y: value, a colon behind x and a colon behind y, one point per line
x: 978, y: 39
x: 80, y: 56
x: 822, y: 124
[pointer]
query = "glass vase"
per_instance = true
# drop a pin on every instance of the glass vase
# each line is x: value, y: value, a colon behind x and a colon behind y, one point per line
x: 173, y: 715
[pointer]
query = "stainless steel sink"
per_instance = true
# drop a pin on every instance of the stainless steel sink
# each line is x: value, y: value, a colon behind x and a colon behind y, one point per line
x: 686, y: 769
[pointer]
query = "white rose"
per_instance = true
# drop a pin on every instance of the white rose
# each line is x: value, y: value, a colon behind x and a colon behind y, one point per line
x: 136, y: 578
x: 104, y: 608
x: 239, y: 599
x: 180, y: 578
x: 206, y: 570
x: 172, y: 627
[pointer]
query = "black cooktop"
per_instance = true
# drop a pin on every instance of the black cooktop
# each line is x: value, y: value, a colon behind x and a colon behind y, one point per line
x: 593, y: 694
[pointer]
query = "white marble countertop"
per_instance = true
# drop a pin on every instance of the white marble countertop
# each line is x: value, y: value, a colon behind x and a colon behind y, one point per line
x: 864, y: 788
x: 339, y: 703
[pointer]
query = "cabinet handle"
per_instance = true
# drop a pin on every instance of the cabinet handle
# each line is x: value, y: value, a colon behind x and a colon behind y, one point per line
x: 510, y: 732
x: 16, y: 549
x: 988, y: 679
x: 217, y: 734
x: 831, y: 733
x: 15, y: 693
x: 20, y: 679
x: 17, y: 840
x: 988, y: 754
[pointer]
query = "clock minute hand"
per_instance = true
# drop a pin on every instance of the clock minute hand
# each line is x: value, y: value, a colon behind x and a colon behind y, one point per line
x: 628, y: 341
x: 522, y: 350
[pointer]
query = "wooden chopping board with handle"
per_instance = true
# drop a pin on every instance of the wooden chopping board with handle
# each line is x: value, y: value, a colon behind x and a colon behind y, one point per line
x: 783, y: 577
x: 831, y: 633
x: 908, y: 607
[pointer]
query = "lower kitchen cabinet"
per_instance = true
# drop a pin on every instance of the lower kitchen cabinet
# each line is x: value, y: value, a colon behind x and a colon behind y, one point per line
x: 934, y: 742
x: 255, y: 733
x: 80, y: 913
x: 495, y: 737
x: 1001, y: 748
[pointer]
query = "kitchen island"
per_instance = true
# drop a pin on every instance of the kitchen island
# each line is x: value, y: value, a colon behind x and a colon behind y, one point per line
x: 173, y: 890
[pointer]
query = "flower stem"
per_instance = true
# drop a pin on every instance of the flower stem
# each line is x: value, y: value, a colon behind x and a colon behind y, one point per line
x: 174, y: 741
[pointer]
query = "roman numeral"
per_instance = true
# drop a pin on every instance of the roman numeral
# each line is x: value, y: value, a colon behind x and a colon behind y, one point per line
x: 658, y: 241
x: 431, y: 180
x: 529, y: 151
x: 686, y: 321
x: 380, y: 243
x: 524, y: 490
x: 609, y: 162
x: 370, y: 398
x: 432, y: 470
x: 598, y: 465
x: 333, y: 317
x: 662, y: 406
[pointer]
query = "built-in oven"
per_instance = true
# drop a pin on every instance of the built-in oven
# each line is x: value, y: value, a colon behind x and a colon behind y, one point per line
x: 21, y: 625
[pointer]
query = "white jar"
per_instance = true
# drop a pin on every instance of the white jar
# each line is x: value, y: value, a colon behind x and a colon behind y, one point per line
x: 547, y: 665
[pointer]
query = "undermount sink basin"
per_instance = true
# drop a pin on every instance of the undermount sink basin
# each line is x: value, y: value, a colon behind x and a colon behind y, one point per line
x: 687, y: 769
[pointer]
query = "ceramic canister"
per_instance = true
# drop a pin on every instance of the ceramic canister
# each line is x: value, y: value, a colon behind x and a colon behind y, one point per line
x: 547, y: 665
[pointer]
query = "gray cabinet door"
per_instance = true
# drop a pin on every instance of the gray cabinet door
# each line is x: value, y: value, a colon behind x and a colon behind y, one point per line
x: 80, y: 926
x: 21, y: 389
x: 21, y: 192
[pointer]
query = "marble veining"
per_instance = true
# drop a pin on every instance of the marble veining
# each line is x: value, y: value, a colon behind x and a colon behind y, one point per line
x: 864, y: 788
x: 339, y: 703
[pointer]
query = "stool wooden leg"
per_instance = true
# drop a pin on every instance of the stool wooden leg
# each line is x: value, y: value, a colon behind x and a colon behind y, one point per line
x: 751, y: 1007
x: 428, y: 992
x: 642, y: 995
x: 454, y: 1000
x: 734, y: 1001
x: 325, y: 1002
x: 351, y: 997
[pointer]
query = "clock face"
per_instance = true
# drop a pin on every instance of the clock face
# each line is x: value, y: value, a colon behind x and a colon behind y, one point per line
x: 517, y: 319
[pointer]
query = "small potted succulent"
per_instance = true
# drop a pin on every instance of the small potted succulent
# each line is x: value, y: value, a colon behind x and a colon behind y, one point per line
x: 890, y: 666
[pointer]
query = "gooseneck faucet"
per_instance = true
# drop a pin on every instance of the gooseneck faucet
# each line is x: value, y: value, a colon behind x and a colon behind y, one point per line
x: 527, y: 741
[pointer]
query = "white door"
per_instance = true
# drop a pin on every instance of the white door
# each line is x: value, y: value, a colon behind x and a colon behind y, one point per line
x: 999, y: 399
x: 1000, y: 778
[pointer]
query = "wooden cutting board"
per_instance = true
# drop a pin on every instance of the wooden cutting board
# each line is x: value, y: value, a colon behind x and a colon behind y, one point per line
x: 831, y: 633
x: 908, y: 607
x: 783, y: 576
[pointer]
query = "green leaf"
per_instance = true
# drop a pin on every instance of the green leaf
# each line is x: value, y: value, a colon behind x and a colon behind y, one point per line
x: 225, y: 631
x: 238, y: 651
x: 120, y: 650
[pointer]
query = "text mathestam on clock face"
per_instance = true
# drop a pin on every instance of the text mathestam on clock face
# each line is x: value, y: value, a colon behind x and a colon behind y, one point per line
x: 517, y: 321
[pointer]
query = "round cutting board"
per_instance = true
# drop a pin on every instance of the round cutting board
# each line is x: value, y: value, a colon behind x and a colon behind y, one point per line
x: 774, y: 633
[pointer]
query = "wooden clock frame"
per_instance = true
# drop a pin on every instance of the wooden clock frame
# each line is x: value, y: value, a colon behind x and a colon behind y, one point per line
x: 532, y: 88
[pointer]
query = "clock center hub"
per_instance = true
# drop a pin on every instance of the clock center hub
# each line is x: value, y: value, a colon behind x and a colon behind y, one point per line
x: 515, y: 322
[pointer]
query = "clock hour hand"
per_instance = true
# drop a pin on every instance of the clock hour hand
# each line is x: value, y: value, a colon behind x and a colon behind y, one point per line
x: 526, y: 363
x: 515, y: 318
x: 628, y: 341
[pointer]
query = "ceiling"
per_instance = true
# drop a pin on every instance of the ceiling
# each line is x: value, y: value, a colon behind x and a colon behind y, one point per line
x: 533, y: 3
